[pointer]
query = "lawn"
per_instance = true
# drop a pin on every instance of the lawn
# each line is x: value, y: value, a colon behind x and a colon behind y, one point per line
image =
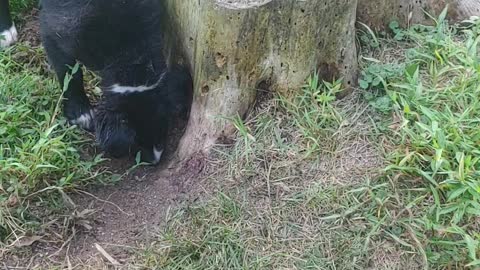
x: 387, y: 178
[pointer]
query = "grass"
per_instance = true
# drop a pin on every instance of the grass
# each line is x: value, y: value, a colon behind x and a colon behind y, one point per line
x: 272, y: 197
x: 41, y: 157
x: 276, y: 198
x: 434, y: 138
x: 313, y: 113
x: 20, y: 7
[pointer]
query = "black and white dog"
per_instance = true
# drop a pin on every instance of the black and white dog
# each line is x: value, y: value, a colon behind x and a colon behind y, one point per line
x: 122, y: 41
x: 8, y: 32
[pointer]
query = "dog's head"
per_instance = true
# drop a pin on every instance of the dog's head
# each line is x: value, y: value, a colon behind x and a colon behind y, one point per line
x: 132, y: 121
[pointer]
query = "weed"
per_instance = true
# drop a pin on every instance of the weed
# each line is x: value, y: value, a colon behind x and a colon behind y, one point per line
x: 398, y: 33
x: 18, y: 7
x: 377, y: 75
x: 314, y: 113
x: 367, y: 37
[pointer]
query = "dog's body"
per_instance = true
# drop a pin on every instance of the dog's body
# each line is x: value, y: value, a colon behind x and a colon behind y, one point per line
x: 122, y: 41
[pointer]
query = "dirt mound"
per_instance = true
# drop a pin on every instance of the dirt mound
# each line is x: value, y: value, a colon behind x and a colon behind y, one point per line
x: 129, y: 213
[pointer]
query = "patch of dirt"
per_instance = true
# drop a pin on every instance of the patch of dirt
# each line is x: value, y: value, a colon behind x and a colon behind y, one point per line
x: 29, y: 31
x: 128, y: 213
x: 120, y: 218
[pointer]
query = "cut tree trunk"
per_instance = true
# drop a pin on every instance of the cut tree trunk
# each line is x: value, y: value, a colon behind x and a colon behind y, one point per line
x: 235, y: 47
x: 379, y: 13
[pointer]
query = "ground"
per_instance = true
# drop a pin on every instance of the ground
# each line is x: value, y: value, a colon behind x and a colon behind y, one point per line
x: 385, y: 178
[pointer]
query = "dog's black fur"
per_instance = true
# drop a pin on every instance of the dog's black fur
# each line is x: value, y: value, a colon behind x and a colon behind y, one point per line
x: 5, y: 19
x: 8, y: 32
x: 122, y: 41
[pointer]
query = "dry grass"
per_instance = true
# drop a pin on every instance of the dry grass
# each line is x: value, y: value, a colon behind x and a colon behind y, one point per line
x: 305, y: 186
x: 271, y: 202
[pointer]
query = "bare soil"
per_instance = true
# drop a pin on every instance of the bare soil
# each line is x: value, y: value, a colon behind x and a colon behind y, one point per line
x: 120, y: 218
x: 30, y: 29
x: 130, y: 213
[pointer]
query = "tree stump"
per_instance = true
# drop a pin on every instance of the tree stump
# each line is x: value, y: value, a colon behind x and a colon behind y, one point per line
x: 235, y: 47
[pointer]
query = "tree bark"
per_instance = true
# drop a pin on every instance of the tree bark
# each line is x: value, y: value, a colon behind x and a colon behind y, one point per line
x: 234, y: 47
x: 379, y: 13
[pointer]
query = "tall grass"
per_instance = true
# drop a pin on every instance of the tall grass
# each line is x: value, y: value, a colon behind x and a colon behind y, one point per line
x: 434, y: 144
x: 39, y: 152
x: 314, y: 113
x: 18, y: 7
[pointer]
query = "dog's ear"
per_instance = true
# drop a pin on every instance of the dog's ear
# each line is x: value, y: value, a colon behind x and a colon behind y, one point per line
x: 113, y: 132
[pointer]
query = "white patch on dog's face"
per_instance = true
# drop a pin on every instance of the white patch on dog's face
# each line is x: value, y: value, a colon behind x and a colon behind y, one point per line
x: 119, y: 89
x: 10, y: 36
x: 122, y: 89
x: 84, y: 121
x: 157, y: 154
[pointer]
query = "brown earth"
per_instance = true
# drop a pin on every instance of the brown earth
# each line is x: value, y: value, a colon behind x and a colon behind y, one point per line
x: 126, y: 215
x: 120, y: 218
